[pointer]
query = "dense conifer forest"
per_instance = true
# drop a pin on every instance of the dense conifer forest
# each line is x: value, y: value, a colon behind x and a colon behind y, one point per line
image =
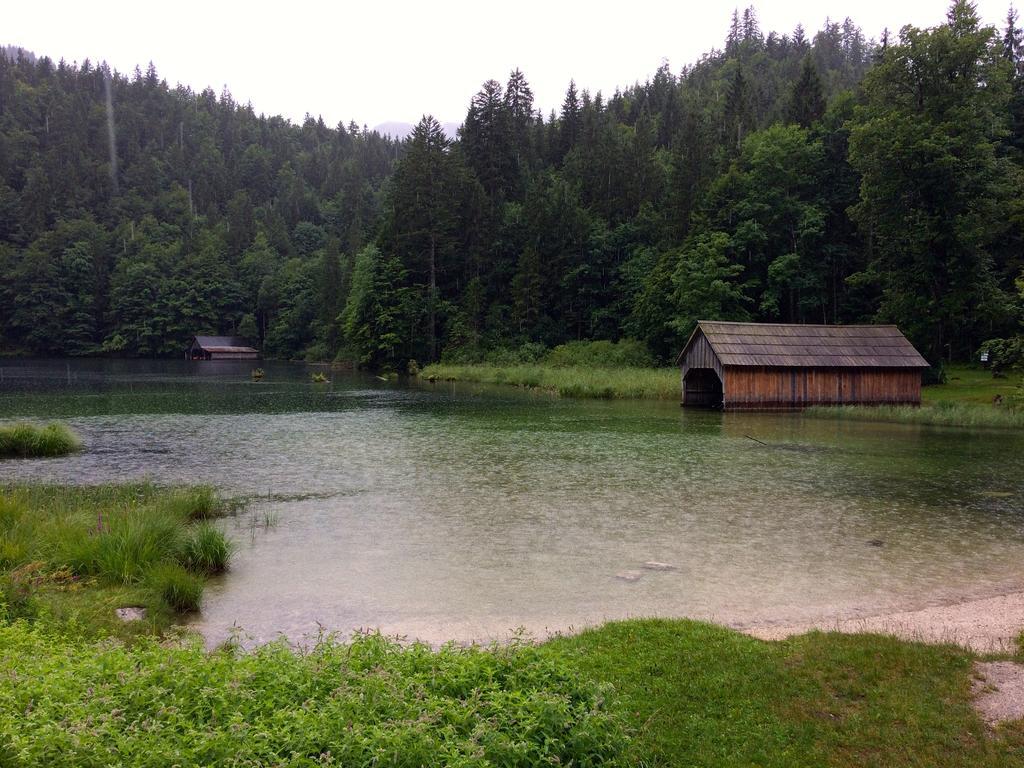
x: 799, y: 177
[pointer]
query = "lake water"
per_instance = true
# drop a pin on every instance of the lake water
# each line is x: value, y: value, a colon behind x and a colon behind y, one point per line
x: 443, y: 512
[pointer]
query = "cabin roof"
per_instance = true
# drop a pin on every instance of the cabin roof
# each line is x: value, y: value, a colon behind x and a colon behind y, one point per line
x: 222, y: 344
x: 808, y: 346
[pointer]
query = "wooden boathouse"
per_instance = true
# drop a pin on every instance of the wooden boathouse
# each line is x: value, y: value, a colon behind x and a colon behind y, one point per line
x: 766, y: 366
x: 220, y: 348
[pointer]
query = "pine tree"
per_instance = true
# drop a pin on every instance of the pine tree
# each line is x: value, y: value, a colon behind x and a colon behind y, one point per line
x: 486, y: 140
x: 570, y: 120
x: 737, y: 110
x: 807, y: 98
x: 1012, y: 43
x: 424, y: 214
x: 732, y: 40
x: 519, y: 109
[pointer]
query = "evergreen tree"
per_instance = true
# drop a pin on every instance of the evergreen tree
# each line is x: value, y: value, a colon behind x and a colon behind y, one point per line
x: 570, y: 120
x: 737, y: 109
x: 807, y: 99
x: 519, y: 109
x: 423, y: 217
x: 486, y: 140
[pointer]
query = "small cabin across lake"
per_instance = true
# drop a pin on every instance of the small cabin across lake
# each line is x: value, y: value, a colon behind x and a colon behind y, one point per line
x: 767, y: 366
x: 220, y: 348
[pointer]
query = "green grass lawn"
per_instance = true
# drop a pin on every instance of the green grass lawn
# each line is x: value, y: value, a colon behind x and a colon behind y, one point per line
x: 966, y: 399
x: 970, y: 384
x: 695, y: 694
x: 635, y: 693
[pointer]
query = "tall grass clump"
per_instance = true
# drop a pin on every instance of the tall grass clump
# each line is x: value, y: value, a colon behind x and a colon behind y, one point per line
x: 179, y: 588
x: 28, y: 441
x: 15, y: 531
x: 205, y: 549
x: 126, y: 546
x: 198, y: 503
x: 946, y: 413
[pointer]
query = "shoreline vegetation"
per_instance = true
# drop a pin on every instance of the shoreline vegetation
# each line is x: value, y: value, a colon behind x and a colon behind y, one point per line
x: 639, y: 692
x: 74, y: 555
x: 24, y: 440
x: 573, y: 381
x: 965, y: 400
x: 943, y: 413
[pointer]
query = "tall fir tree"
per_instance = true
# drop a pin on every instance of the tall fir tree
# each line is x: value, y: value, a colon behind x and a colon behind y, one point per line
x: 807, y: 97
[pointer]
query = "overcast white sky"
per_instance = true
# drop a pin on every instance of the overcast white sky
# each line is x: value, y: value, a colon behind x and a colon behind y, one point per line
x: 396, y: 60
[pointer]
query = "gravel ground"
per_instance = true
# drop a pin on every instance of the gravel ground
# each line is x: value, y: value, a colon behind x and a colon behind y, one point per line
x: 989, y: 625
x: 999, y: 691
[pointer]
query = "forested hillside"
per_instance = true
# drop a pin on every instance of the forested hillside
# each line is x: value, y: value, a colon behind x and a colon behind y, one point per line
x: 783, y: 177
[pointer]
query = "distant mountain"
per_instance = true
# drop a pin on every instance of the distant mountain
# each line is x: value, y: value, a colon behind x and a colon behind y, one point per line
x: 400, y: 130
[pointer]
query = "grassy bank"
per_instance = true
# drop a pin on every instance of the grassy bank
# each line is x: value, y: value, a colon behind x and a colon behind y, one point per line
x: 969, y: 384
x: 636, y: 693
x: 949, y: 413
x: 966, y: 400
x: 699, y: 695
x: 72, y: 555
x: 569, y: 381
x: 25, y: 441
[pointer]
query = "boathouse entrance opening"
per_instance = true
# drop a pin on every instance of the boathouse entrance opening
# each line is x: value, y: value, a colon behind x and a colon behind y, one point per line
x: 702, y: 388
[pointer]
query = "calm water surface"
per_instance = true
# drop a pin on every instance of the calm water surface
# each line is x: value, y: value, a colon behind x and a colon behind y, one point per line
x: 462, y: 513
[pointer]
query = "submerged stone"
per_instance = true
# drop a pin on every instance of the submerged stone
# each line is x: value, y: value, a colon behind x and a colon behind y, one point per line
x: 628, y: 575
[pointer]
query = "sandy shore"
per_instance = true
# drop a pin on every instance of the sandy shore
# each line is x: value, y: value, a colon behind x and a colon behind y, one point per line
x: 988, y: 625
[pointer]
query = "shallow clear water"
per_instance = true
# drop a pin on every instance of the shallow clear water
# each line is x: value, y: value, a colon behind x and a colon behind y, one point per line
x: 462, y: 513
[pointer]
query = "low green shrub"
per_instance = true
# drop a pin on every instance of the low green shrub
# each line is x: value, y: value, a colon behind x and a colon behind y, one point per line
x: 627, y: 353
x: 205, y: 549
x: 180, y: 590
x: 370, y: 702
x: 1004, y: 354
x: 26, y: 441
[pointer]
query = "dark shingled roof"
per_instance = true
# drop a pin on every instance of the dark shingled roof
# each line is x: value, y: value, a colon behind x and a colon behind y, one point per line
x: 223, y: 344
x: 809, y: 346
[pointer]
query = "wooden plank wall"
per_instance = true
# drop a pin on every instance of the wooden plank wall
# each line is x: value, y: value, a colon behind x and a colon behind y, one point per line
x: 700, y: 355
x: 771, y: 388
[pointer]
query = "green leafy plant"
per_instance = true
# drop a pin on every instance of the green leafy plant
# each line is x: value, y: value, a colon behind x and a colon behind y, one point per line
x: 369, y: 702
